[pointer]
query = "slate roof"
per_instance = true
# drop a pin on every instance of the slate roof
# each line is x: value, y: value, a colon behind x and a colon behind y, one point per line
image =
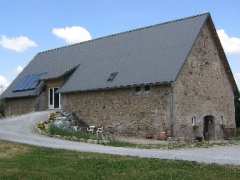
x: 150, y: 55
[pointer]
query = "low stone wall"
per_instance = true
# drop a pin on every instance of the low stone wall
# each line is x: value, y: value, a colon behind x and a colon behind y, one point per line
x: 123, y: 111
x: 20, y: 106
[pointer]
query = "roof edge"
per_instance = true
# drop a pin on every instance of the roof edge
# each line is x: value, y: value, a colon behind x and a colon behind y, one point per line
x: 194, y: 42
x: 119, y: 87
x: 221, y: 51
x: 124, y: 32
x: 18, y: 97
x: 223, y: 54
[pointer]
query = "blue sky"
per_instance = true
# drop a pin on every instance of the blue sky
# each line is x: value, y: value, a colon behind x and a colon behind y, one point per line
x: 26, y: 26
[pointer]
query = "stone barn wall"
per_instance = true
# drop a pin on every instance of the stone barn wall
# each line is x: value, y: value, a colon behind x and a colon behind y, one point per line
x: 203, y: 88
x: 42, y: 100
x: 123, y: 111
x: 20, y: 106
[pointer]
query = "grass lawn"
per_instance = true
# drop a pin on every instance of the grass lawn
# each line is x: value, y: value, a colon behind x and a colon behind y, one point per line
x: 27, y: 162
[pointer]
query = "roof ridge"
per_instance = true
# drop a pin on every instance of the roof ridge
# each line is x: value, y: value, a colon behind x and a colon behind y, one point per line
x: 124, y: 32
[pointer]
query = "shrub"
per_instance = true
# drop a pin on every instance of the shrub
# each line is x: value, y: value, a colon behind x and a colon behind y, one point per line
x: 52, y: 116
x: 2, y: 108
x: 41, y: 126
x: 68, y: 132
x: 237, y: 110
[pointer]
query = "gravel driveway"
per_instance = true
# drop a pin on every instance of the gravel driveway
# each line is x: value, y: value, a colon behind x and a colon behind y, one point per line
x: 21, y: 129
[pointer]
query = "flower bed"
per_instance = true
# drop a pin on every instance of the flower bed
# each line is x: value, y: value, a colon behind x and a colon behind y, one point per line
x: 62, y: 125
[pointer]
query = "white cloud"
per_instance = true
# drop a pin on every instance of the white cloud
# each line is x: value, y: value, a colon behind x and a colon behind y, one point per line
x: 19, y: 69
x: 230, y: 44
x: 3, y: 83
x: 237, y: 78
x: 18, y: 44
x: 71, y: 35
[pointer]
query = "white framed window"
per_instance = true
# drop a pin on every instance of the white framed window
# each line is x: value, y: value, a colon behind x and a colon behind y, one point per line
x: 54, y: 98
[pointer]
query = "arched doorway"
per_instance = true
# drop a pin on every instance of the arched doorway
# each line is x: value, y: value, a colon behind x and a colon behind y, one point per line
x: 208, y: 127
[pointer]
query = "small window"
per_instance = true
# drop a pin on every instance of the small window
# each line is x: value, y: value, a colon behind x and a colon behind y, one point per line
x: 147, y: 88
x: 138, y: 89
x: 222, y: 120
x: 112, y: 76
x: 194, y: 121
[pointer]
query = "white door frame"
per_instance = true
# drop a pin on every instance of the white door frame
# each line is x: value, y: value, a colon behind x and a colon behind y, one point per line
x: 51, y: 106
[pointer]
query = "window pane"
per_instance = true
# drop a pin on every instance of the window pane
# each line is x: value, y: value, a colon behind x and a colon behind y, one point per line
x: 56, y: 98
x: 51, y: 96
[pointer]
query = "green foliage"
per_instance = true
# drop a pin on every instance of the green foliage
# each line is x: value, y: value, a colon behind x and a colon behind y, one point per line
x: 2, y: 108
x: 42, y: 126
x: 237, y: 110
x: 40, y: 163
x: 53, y: 130
x: 52, y: 116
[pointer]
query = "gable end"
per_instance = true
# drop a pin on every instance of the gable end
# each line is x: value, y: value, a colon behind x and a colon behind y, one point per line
x: 221, y: 53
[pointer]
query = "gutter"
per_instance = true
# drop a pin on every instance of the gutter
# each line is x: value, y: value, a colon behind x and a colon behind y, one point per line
x: 165, y: 83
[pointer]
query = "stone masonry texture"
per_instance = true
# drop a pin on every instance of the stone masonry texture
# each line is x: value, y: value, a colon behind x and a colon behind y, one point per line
x: 123, y: 111
x: 20, y: 106
x: 203, y: 88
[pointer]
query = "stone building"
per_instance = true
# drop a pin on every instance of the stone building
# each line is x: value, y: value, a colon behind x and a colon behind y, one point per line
x: 172, y: 77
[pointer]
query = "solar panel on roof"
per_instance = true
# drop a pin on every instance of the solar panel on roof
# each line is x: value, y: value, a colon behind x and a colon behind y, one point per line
x: 28, y: 82
x: 25, y: 82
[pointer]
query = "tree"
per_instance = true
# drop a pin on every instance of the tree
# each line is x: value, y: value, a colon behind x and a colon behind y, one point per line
x: 2, y: 108
x: 237, y: 110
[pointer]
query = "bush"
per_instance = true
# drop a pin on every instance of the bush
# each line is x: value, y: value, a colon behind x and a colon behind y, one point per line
x: 2, y: 108
x: 237, y: 110
x: 52, y: 116
x: 68, y: 132
x: 41, y: 126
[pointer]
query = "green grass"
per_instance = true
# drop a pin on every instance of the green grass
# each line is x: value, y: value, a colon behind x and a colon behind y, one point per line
x: 41, y: 163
